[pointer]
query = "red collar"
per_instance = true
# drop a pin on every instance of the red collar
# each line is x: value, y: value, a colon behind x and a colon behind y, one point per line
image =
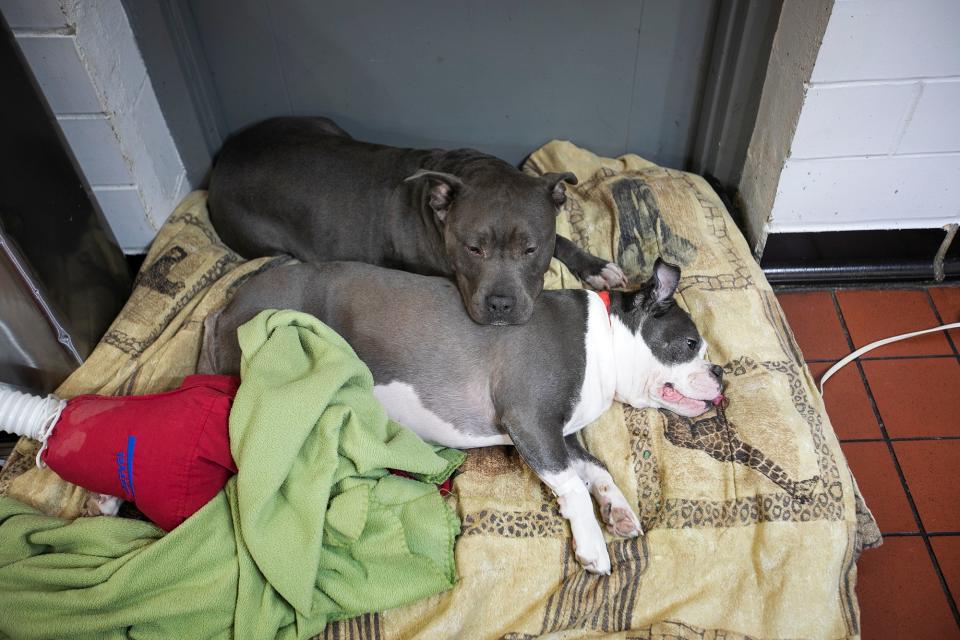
x: 605, y: 298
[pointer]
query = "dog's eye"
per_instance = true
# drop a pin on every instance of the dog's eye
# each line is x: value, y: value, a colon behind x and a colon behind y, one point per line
x: 530, y: 250
x: 692, y: 344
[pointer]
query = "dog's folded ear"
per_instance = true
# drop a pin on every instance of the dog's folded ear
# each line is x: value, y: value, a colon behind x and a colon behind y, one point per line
x: 665, y: 279
x: 443, y: 189
x: 657, y: 292
x: 555, y: 181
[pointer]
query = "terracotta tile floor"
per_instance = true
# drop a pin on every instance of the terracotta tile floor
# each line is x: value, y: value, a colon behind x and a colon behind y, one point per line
x: 897, y: 414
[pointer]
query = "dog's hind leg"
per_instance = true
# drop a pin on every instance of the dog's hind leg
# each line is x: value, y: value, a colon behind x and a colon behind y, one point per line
x: 614, y: 508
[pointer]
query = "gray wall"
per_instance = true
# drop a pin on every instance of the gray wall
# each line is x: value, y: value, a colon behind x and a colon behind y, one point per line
x: 505, y: 77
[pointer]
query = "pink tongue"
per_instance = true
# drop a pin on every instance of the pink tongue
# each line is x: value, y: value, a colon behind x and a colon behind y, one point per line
x: 672, y: 395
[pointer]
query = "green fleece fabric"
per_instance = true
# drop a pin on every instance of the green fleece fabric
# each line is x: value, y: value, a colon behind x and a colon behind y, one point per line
x: 312, y: 528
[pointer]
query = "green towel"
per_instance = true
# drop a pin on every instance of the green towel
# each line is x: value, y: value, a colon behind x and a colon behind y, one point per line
x: 313, y: 528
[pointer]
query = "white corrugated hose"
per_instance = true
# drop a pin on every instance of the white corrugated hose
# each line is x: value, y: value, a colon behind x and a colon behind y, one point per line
x: 28, y: 415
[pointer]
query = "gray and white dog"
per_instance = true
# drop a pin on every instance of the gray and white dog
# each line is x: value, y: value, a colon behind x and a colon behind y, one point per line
x: 304, y: 187
x: 460, y: 384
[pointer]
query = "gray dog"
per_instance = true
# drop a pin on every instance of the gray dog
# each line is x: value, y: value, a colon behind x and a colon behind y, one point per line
x: 304, y: 187
x: 461, y: 384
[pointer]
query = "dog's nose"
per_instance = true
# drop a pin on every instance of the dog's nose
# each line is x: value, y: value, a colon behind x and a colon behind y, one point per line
x: 717, y: 371
x: 500, y: 304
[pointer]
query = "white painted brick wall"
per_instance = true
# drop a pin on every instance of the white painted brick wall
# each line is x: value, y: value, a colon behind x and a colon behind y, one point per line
x: 935, y: 125
x: 56, y: 64
x: 877, y: 144
x: 889, y: 40
x: 877, y: 192
x: 27, y: 14
x: 86, y: 61
x: 96, y: 148
x: 852, y: 119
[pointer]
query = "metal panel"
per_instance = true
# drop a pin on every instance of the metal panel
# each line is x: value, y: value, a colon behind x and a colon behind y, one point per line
x: 672, y: 58
x: 731, y: 95
x: 62, y: 276
x: 237, y: 43
x: 500, y: 76
x: 31, y: 356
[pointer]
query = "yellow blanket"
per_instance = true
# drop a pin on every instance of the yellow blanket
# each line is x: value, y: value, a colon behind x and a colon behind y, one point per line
x: 753, y: 520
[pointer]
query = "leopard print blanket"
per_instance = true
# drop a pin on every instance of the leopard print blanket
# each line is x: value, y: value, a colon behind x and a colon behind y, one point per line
x: 753, y: 521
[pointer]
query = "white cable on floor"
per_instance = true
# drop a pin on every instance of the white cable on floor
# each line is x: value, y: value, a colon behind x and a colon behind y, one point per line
x: 879, y: 343
x: 28, y: 415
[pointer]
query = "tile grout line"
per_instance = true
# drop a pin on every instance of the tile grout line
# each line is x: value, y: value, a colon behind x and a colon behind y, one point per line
x: 903, y: 439
x: 936, y: 314
x: 924, y: 535
x: 936, y: 534
x: 896, y: 463
x: 917, y: 534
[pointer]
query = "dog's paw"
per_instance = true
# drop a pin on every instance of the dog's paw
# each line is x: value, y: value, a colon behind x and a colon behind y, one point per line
x: 616, y: 511
x: 610, y: 276
x: 620, y: 518
x: 102, y: 504
x: 621, y: 521
x: 592, y: 553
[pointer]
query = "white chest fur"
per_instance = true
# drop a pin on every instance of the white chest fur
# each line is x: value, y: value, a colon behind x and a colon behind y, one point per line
x: 599, y: 376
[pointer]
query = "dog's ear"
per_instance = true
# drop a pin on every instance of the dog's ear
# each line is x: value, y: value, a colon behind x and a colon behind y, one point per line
x: 555, y: 182
x: 444, y: 188
x: 664, y: 281
x: 656, y: 294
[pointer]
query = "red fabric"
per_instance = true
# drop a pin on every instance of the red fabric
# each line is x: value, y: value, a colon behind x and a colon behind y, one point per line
x: 169, y: 452
x: 605, y: 297
x: 444, y: 487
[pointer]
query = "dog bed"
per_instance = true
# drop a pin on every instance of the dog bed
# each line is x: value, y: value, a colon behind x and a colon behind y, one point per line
x: 753, y: 521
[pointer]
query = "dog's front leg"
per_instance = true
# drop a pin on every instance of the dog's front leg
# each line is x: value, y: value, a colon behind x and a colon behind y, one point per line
x: 548, y: 457
x: 614, y: 508
x: 596, y: 272
x: 576, y: 506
